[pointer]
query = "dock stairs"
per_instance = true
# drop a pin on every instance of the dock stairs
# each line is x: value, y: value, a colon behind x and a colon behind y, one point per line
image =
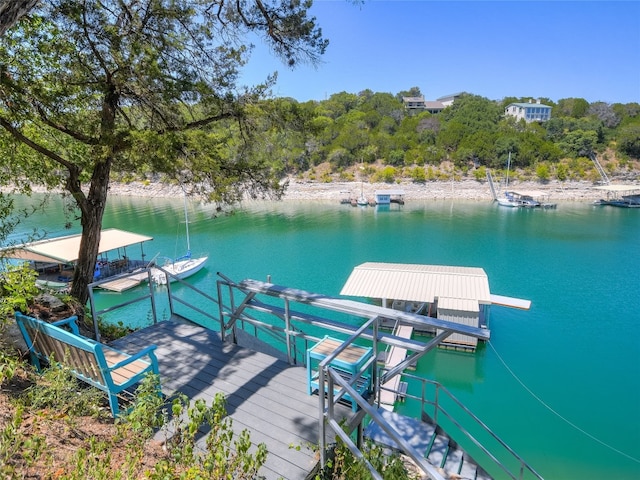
x: 435, y: 445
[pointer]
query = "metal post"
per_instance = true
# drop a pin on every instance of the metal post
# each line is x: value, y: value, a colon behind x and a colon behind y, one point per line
x: 323, y: 424
x: 374, y: 367
x: 153, y: 299
x: 436, y: 405
x: 287, y: 326
x: 220, y: 311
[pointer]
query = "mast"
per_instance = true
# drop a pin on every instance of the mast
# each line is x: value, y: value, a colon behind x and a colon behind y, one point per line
x: 186, y: 221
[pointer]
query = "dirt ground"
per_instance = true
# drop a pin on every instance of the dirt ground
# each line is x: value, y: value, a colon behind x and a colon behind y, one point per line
x: 58, y: 436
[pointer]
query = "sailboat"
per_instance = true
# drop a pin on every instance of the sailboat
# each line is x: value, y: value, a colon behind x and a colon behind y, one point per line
x: 513, y: 199
x: 181, y: 267
x: 362, y: 201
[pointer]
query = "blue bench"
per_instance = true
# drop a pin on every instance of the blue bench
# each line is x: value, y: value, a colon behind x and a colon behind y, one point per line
x: 94, y: 363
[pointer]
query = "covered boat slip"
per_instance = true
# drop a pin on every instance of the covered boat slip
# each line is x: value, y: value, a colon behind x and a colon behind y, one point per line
x: 625, y: 196
x: 452, y: 293
x: 54, y: 258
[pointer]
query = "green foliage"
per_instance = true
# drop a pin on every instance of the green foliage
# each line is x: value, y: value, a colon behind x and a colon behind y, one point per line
x: 342, y: 465
x: 417, y: 174
x: 226, y: 455
x: 629, y: 140
x: 562, y: 172
x: 542, y: 172
x: 138, y: 86
x: 17, y: 290
x: 9, y: 364
x: 224, y: 458
x: 147, y: 414
x: 59, y: 391
x: 16, y: 446
x: 480, y: 173
x: 386, y: 175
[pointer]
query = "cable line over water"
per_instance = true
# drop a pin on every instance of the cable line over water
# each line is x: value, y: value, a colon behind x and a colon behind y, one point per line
x: 548, y: 407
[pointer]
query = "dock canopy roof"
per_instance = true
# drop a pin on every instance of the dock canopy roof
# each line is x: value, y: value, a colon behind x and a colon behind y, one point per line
x: 65, y: 249
x: 618, y: 188
x: 417, y: 283
x: 530, y: 193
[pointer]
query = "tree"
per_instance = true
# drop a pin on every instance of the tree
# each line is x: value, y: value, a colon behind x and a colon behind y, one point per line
x: 629, y: 140
x: 11, y: 11
x: 87, y: 86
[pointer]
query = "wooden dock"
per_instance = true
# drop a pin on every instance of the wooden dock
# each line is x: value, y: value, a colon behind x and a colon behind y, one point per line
x: 264, y: 394
x: 125, y: 283
x: 396, y: 356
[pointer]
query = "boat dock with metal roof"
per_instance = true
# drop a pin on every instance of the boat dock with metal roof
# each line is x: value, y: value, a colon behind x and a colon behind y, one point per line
x: 452, y: 293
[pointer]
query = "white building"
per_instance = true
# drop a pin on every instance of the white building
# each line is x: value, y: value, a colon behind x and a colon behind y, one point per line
x: 529, y: 112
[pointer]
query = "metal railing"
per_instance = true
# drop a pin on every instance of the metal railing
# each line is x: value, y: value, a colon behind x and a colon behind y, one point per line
x: 334, y: 387
x: 433, y: 397
x: 149, y: 293
x: 235, y: 302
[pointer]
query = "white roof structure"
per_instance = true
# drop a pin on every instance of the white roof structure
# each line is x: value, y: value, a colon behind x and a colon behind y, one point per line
x: 530, y: 193
x: 618, y: 188
x: 65, y: 249
x: 419, y: 283
x: 389, y: 192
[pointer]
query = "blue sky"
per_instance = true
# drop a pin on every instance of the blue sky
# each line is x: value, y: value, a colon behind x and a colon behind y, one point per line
x: 553, y: 49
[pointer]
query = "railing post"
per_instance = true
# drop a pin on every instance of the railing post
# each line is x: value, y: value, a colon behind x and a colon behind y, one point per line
x: 221, y: 310
x: 153, y: 298
x: 374, y: 368
x: 287, y: 326
x: 321, y: 417
x: 436, y: 405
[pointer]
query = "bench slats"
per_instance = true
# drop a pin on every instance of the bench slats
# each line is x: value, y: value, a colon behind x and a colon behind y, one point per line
x: 123, y: 374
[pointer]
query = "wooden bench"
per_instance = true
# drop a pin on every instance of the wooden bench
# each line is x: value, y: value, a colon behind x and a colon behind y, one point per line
x: 94, y: 363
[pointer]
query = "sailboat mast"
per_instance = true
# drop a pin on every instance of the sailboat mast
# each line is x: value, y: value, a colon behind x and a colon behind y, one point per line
x: 186, y: 221
x: 508, y: 166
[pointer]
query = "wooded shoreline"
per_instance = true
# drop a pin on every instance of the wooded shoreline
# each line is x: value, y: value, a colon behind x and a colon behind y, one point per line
x: 434, y: 190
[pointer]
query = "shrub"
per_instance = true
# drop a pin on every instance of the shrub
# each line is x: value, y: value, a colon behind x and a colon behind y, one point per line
x: 542, y: 172
x: 417, y: 174
x: 17, y: 290
x: 480, y: 173
x: 562, y: 172
x: 387, y: 175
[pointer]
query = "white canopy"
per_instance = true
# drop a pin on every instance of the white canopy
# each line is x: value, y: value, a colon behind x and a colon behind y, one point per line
x: 530, y: 193
x: 65, y: 249
x: 417, y: 283
x: 618, y: 188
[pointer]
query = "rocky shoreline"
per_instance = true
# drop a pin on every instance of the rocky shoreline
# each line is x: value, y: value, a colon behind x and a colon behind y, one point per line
x: 471, y: 190
x: 468, y: 189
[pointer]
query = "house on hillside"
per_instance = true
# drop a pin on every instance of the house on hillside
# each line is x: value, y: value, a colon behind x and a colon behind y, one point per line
x: 529, y: 112
x: 419, y: 104
x: 448, y: 100
x: 414, y: 104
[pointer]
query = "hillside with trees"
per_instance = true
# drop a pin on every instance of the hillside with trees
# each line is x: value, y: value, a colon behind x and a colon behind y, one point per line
x: 374, y: 133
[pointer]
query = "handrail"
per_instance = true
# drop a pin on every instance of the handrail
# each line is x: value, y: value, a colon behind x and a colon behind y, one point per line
x: 436, y: 404
x: 238, y: 312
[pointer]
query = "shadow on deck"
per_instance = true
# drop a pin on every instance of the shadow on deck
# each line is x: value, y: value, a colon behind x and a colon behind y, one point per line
x: 263, y: 394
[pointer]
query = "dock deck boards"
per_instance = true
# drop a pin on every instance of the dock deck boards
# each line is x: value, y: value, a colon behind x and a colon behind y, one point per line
x: 125, y: 283
x: 396, y: 356
x: 264, y: 394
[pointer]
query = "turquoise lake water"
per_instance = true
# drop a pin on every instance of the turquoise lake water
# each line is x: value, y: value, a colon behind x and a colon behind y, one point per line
x: 560, y: 383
